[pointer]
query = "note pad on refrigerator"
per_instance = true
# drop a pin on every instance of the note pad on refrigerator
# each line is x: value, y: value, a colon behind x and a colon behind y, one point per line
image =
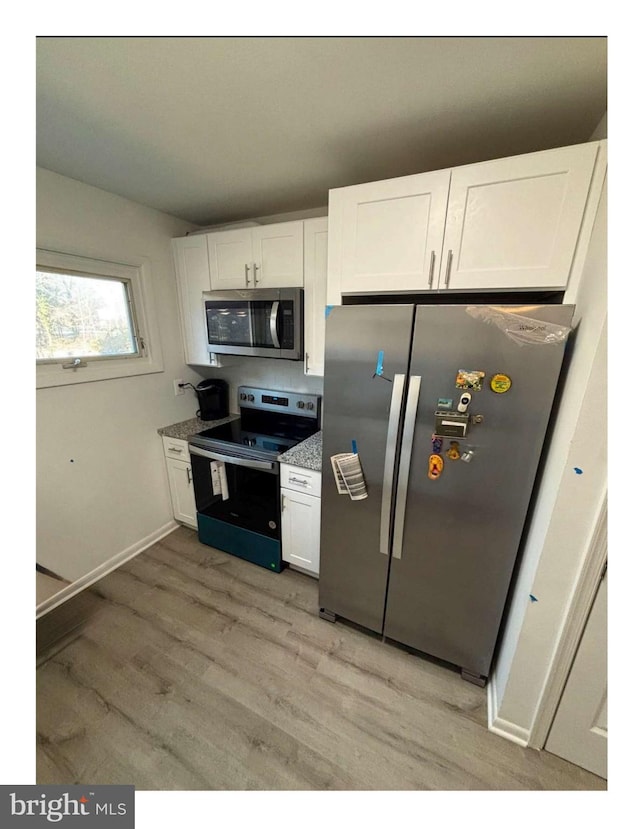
x: 349, y: 477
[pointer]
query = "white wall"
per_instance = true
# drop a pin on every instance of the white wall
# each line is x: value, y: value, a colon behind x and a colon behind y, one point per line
x: 282, y: 375
x: 566, y: 510
x: 114, y: 494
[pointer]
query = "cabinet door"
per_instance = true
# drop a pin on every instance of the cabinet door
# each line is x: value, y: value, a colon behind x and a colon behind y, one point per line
x: 300, y: 522
x: 391, y: 233
x: 192, y: 275
x: 514, y: 223
x: 181, y: 488
x: 315, y: 294
x: 278, y: 255
x: 231, y: 258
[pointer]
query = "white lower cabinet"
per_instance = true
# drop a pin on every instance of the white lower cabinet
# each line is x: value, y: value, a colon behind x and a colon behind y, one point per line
x: 300, y: 518
x: 180, y: 481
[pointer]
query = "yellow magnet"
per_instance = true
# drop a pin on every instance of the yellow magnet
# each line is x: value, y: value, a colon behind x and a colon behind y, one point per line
x: 436, y: 465
x: 453, y: 452
x: 500, y: 383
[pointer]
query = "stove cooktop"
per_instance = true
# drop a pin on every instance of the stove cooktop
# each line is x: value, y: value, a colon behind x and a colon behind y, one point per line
x: 270, y: 423
x: 233, y: 433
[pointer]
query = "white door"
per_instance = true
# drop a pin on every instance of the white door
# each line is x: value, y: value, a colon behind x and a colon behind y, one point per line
x: 230, y: 259
x: 514, y: 222
x: 181, y: 488
x: 579, y: 730
x: 389, y: 233
x: 192, y: 275
x: 315, y: 294
x: 278, y: 257
x: 300, y: 520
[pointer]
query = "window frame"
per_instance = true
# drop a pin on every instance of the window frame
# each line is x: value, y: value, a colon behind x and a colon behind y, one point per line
x: 148, y: 357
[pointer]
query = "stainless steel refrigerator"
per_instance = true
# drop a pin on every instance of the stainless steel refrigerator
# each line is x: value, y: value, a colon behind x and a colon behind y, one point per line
x: 446, y: 408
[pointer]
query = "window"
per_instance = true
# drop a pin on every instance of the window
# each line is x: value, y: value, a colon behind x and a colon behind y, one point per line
x: 92, y: 321
x: 78, y: 315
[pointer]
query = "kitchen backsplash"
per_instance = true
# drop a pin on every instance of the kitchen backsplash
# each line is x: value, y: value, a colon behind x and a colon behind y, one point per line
x: 285, y: 375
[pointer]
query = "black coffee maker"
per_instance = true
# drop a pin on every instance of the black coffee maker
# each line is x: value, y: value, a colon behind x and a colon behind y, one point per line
x: 213, y: 399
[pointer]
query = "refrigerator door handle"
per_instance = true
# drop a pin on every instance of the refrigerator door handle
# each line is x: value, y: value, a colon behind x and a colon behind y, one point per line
x: 389, y: 460
x: 405, y: 463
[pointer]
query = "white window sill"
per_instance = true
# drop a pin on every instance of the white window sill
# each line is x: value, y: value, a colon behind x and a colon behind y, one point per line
x: 55, y: 375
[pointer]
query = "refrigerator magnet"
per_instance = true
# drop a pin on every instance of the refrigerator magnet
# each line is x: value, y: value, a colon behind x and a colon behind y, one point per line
x: 466, y: 379
x: 436, y: 465
x: 436, y: 444
x: 500, y: 383
x: 453, y: 452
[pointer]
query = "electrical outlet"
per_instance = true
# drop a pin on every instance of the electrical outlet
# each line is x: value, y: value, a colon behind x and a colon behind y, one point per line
x: 176, y: 387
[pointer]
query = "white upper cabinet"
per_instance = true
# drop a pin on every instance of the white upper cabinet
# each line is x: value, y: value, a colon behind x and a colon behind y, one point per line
x: 388, y: 234
x: 315, y: 293
x: 265, y: 256
x: 499, y: 225
x: 279, y: 255
x: 230, y: 259
x: 514, y: 223
x: 192, y: 275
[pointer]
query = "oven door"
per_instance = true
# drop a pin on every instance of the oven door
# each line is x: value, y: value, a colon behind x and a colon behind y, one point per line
x: 257, y: 323
x: 238, y: 505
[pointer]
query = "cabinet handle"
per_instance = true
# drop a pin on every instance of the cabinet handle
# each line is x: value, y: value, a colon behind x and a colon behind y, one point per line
x: 448, y: 273
x: 306, y: 361
x: 432, y: 268
x: 175, y: 449
x: 255, y: 274
x: 282, y: 506
x: 189, y: 478
x: 246, y: 275
x: 293, y: 480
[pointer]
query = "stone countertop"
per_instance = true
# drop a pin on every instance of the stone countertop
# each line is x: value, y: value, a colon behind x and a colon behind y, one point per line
x: 307, y: 454
x: 186, y: 428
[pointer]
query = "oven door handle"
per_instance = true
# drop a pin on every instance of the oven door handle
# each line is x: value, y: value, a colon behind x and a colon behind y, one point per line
x: 216, y: 456
x: 273, y: 323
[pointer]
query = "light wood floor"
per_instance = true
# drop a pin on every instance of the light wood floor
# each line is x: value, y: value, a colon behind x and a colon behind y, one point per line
x: 196, y: 670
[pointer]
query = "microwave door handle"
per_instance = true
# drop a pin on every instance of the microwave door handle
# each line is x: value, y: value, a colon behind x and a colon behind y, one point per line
x: 273, y: 323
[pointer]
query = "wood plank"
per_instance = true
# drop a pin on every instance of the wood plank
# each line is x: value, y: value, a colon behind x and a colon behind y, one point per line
x: 197, y: 670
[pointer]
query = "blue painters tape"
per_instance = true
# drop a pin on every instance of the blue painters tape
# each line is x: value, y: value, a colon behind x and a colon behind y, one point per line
x: 532, y: 597
x: 577, y: 470
x: 354, y: 447
x: 328, y: 309
x: 379, y: 368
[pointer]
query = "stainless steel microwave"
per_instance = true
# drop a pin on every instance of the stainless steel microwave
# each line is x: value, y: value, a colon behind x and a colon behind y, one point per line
x: 262, y: 322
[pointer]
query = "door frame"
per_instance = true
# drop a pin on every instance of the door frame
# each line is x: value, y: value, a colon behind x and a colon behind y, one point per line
x: 589, y: 578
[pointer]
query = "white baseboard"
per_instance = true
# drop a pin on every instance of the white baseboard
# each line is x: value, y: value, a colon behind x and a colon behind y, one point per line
x: 106, y: 567
x: 504, y: 728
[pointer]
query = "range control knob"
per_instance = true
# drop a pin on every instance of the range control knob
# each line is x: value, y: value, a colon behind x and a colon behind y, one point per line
x: 251, y: 398
x: 243, y: 396
x: 300, y: 404
x: 309, y: 405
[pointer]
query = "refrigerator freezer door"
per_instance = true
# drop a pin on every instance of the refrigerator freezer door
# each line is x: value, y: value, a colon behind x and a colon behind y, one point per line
x: 448, y: 583
x: 366, y: 358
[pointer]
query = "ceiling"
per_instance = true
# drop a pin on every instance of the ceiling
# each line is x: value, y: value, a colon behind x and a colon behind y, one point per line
x: 221, y: 129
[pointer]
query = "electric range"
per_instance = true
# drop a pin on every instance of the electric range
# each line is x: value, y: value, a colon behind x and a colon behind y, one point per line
x: 236, y: 474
